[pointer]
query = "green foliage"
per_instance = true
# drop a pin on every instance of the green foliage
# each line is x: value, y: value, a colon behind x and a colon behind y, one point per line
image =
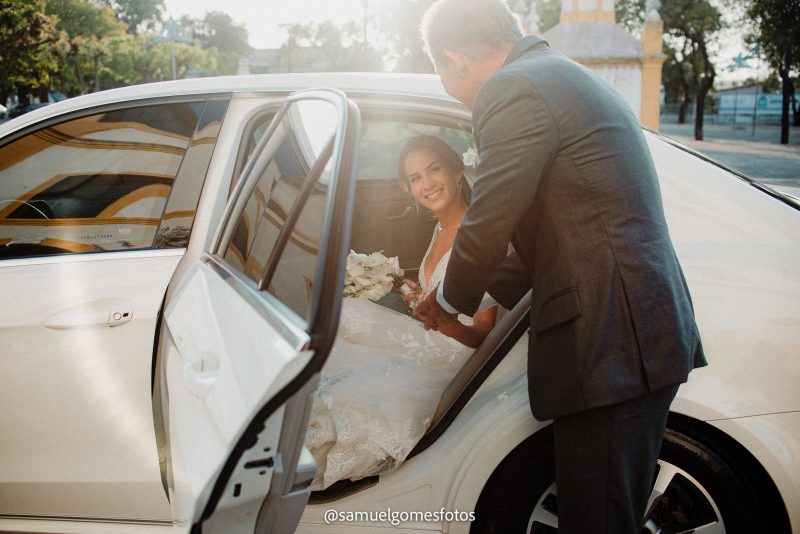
x: 87, y: 27
x: 776, y: 26
x: 78, y: 46
x: 399, y: 24
x: 218, y: 31
x: 325, y: 46
x: 630, y: 14
x: 138, y: 14
x: 29, y: 42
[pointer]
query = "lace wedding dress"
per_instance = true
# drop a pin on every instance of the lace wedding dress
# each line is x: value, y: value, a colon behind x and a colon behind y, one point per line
x: 379, y: 388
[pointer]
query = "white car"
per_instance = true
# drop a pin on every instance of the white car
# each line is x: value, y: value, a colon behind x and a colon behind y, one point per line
x: 171, y: 267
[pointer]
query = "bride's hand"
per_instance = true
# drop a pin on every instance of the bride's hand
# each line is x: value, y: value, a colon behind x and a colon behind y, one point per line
x: 410, y: 296
x: 449, y: 325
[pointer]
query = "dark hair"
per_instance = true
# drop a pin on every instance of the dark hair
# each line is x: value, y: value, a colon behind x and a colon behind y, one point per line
x: 472, y: 26
x: 445, y: 152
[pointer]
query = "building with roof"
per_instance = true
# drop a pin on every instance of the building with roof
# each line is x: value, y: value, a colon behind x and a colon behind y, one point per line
x: 588, y: 33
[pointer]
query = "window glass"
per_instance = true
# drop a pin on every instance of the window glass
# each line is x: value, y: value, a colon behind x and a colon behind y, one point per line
x: 176, y: 224
x: 290, y: 185
x: 384, y: 217
x: 382, y: 141
x: 92, y: 184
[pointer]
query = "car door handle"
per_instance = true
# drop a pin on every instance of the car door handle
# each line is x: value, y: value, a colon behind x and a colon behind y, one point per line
x: 200, y: 374
x: 91, y: 315
x: 405, y: 213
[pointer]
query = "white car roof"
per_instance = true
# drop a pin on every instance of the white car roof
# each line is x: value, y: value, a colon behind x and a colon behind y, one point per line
x: 427, y: 85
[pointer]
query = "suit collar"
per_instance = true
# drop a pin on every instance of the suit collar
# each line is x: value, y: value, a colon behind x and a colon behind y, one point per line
x: 523, y: 45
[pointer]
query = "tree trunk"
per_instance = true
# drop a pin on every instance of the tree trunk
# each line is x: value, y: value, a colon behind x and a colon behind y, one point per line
x: 97, y: 71
x: 700, y: 105
x: 703, y: 87
x: 787, y: 97
x: 79, y: 75
x: 686, y: 98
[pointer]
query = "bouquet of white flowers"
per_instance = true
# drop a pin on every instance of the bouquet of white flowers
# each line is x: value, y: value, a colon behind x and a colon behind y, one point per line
x: 371, y: 276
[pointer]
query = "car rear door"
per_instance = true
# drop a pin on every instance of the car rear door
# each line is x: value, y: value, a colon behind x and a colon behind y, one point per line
x: 248, y: 325
x: 96, y: 210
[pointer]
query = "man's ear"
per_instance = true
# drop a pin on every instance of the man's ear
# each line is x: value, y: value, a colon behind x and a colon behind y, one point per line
x: 458, y: 62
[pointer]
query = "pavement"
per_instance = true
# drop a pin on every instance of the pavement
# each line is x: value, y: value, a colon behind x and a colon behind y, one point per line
x: 759, y: 156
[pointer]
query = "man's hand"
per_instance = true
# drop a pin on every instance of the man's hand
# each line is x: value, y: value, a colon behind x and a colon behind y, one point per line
x: 430, y: 311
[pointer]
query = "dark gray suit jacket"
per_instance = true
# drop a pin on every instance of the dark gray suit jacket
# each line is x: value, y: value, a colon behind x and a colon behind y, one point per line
x: 566, y: 176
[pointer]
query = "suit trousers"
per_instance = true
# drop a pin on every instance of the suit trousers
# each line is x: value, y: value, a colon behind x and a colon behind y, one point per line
x: 605, y: 461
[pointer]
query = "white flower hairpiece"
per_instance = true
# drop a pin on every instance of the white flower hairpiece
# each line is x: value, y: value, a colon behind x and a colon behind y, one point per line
x: 470, y: 157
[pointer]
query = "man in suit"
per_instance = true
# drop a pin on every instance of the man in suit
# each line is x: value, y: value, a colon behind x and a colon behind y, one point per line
x: 565, y: 175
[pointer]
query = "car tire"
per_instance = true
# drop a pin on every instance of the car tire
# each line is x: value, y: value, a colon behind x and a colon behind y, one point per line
x: 697, y: 489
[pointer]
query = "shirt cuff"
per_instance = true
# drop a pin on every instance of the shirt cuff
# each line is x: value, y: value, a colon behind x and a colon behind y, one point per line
x: 486, y: 302
x: 443, y: 303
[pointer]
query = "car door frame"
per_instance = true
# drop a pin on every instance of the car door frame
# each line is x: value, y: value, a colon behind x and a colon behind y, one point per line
x: 325, y: 306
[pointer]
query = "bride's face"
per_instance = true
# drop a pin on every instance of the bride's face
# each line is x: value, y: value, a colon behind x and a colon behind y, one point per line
x: 430, y: 181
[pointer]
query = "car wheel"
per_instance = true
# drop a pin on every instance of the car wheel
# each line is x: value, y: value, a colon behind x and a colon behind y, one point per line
x: 696, y: 490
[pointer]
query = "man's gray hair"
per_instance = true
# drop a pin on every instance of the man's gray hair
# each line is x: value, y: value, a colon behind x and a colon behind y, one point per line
x: 477, y: 27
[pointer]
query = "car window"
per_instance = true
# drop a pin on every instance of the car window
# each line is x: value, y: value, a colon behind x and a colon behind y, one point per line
x: 382, y: 140
x: 384, y: 218
x: 176, y: 223
x: 102, y: 182
x: 289, y: 198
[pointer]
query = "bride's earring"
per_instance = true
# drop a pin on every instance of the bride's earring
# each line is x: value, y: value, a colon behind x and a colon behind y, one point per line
x: 416, y: 204
x: 459, y: 185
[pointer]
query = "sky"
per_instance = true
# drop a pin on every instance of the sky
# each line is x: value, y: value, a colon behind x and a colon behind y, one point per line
x: 263, y: 19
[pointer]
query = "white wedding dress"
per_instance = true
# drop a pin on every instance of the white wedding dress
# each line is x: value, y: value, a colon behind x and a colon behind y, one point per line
x: 379, y: 388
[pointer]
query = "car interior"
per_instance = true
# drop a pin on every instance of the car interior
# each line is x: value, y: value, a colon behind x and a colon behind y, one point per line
x: 385, y: 219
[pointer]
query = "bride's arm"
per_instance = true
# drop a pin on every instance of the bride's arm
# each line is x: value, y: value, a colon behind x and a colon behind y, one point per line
x: 469, y: 335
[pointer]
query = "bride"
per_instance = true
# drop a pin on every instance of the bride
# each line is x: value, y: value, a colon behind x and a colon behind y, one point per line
x: 385, y: 374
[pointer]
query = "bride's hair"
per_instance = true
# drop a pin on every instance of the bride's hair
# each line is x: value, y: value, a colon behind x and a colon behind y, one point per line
x: 445, y: 152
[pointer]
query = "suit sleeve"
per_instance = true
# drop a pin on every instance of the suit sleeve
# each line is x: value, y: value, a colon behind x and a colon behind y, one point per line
x: 510, y: 282
x: 517, y: 140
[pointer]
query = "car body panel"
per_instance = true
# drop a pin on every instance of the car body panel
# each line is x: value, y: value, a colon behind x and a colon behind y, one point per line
x: 774, y: 440
x: 739, y: 251
x: 78, y: 406
x: 738, y: 246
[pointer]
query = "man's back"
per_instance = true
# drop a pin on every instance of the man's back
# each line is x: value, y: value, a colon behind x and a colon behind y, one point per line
x: 611, y: 315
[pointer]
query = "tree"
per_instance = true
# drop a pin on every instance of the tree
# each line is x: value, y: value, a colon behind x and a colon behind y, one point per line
x: 690, y: 25
x: 399, y: 25
x: 342, y: 48
x: 677, y: 79
x: 630, y: 14
x: 87, y: 25
x: 138, y: 13
x: 776, y: 25
x: 28, y: 41
x: 218, y: 30
x: 695, y: 22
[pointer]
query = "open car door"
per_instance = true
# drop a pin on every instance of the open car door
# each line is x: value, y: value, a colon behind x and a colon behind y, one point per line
x: 248, y: 325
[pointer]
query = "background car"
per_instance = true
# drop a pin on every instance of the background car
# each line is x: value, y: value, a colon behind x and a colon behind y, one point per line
x: 171, y: 261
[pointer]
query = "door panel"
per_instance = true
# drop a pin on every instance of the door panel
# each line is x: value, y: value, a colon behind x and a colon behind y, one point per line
x: 223, y: 378
x: 249, y: 324
x: 77, y: 427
